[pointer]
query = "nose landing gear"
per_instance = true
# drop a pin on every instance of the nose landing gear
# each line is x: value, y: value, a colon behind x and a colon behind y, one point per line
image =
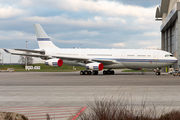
x: 157, y: 71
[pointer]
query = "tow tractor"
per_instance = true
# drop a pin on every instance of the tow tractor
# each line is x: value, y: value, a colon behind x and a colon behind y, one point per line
x: 176, y: 73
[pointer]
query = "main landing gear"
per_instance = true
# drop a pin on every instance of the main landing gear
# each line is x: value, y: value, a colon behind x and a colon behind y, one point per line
x: 105, y: 72
x: 157, y: 71
x: 108, y: 72
x: 86, y: 72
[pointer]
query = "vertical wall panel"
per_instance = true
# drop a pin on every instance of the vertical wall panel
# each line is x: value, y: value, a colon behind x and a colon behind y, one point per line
x: 178, y: 42
x: 163, y: 41
x: 173, y: 39
x: 171, y: 5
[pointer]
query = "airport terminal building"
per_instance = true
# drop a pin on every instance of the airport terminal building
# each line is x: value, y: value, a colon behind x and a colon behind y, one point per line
x: 169, y: 13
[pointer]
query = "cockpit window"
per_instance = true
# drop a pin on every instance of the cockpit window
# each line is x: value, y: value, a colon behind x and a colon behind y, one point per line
x: 168, y: 55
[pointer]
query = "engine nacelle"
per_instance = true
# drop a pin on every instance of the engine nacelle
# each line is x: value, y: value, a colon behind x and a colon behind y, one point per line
x: 54, y: 62
x: 94, y: 66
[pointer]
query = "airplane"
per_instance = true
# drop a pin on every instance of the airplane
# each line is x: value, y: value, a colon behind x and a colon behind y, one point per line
x: 95, y: 60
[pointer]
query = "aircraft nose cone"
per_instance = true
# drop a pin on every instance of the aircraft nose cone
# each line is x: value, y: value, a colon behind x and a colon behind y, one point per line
x: 175, y: 60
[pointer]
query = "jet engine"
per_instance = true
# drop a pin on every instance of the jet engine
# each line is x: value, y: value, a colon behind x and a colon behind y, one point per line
x: 54, y: 62
x: 94, y: 66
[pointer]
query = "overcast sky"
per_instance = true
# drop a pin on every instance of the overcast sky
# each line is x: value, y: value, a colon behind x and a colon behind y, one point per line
x: 81, y: 23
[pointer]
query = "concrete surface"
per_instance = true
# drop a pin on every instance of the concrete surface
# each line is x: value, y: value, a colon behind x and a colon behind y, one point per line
x: 51, y: 89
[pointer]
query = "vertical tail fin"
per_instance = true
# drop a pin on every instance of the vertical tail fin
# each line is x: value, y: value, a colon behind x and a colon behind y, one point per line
x: 43, y: 40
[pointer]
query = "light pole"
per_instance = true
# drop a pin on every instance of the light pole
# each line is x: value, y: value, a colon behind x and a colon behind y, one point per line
x: 0, y: 58
x: 10, y: 59
x: 26, y: 56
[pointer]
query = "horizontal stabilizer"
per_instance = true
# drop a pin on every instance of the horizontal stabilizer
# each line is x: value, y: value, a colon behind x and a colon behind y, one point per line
x: 32, y: 51
x: 7, y: 51
x: 28, y: 54
x: 33, y: 55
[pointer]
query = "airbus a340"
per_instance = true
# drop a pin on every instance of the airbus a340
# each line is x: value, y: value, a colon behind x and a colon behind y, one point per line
x: 96, y: 60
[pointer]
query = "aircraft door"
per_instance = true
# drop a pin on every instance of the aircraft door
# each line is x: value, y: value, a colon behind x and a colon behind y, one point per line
x: 155, y: 58
x: 83, y: 54
x: 123, y: 54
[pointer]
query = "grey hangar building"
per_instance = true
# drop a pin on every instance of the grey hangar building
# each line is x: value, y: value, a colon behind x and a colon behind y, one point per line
x: 169, y: 13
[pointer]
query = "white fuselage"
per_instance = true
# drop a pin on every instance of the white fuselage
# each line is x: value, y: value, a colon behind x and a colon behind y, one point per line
x: 122, y: 58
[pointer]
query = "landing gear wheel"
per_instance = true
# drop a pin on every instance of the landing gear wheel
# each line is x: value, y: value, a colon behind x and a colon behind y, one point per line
x: 104, y: 72
x: 95, y: 72
x: 81, y: 72
x: 112, y: 72
x: 108, y: 72
x: 89, y: 72
x: 86, y: 72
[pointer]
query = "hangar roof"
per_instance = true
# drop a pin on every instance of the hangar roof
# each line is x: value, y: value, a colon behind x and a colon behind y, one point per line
x: 158, y: 13
x: 163, y: 8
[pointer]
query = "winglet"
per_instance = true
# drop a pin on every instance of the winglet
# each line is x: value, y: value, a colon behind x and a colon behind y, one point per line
x: 7, y: 51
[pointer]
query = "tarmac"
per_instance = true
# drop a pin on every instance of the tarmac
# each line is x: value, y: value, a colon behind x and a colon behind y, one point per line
x: 49, y: 90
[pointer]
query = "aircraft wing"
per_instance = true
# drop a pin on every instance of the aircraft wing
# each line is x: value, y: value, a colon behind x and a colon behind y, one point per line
x: 31, y: 55
x: 78, y: 59
x: 105, y: 62
x: 32, y: 51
